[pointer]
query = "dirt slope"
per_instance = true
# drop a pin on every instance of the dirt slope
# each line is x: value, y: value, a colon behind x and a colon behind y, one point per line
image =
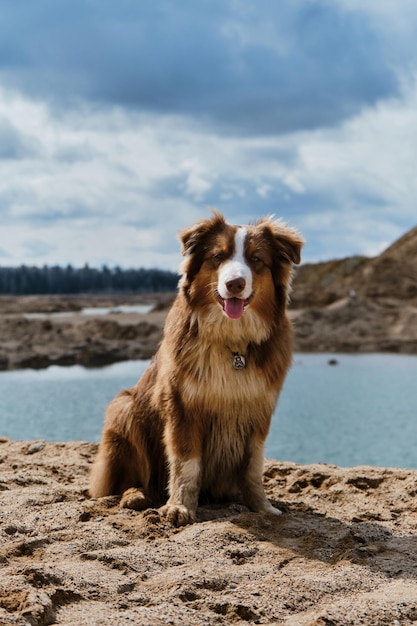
x: 392, y: 275
x: 359, y: 304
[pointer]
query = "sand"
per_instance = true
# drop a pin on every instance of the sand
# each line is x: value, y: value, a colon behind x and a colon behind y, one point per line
x: 343, y: 552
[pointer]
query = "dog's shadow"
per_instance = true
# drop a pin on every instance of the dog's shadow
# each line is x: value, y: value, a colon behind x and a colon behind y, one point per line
x: 312, y: 535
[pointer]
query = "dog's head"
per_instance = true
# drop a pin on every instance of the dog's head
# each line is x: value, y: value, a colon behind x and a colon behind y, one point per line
x: 239, y: 268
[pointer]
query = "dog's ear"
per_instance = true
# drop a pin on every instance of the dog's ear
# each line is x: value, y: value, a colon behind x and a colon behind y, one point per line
x: 194, y: 244
x: 287, y: 242
x: 191, y: 238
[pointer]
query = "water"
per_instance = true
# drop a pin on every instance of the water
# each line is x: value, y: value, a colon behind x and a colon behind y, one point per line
x: 104, y: 310
x: 362, y: 411
x: 61, y: 403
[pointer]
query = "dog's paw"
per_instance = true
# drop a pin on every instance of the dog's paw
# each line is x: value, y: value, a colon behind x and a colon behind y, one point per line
x: 266, y: 507
x: 272, y: 510
x: 177, y: 514
x: 134, y: 499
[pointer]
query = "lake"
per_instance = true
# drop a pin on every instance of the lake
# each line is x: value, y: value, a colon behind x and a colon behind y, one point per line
x: 94, y: 311
x: 362, y: 411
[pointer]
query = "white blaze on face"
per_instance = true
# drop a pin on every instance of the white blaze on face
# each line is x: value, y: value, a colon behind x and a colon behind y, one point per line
x: 235, y: 268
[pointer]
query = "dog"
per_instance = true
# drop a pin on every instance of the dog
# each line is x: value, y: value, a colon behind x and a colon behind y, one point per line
x: 196, y: 422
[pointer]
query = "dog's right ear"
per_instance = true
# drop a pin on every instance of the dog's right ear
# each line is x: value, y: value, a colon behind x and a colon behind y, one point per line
x: 191, y: 238
x: 194, y: 243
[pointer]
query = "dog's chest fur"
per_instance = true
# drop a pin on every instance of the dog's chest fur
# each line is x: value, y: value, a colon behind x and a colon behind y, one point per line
x: 214, y: 385
x: 203, y: 363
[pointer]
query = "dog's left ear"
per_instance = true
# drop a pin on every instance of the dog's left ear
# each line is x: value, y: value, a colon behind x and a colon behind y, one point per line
x: 287, y: 242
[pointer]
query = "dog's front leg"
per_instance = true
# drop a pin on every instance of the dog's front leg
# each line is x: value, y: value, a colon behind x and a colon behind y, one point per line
x: 184, y: 487
x: 251, y: 482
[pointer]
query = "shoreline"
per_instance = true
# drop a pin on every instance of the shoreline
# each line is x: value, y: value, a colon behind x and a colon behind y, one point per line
x: 28, y: 341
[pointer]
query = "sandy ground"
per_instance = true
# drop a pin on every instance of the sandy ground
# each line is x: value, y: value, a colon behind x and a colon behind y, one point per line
x: 343, y: 552
x: 39, y: 331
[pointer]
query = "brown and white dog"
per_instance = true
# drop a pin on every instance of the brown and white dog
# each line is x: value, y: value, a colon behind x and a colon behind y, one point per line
x: 197, y: 420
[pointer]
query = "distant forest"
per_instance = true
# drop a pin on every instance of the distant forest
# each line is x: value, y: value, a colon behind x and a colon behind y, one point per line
x: 25, y: 280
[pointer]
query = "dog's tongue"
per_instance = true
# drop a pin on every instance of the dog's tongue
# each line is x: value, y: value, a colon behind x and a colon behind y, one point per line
x: 233, y: 307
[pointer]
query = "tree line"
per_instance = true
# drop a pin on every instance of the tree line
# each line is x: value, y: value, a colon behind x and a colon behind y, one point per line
x: 27, y: 280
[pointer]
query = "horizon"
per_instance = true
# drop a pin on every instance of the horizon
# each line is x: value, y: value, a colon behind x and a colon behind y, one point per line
x: 176, y: 272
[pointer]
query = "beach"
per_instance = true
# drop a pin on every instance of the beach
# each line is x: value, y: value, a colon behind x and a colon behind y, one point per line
x: 343, y: 551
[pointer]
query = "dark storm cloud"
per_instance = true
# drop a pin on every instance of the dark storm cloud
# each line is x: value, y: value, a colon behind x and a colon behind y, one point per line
x: 247, y: 67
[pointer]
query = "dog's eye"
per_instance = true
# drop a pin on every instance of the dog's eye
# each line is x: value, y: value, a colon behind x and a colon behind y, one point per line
x: 218, y: 257
x: 256, y: 259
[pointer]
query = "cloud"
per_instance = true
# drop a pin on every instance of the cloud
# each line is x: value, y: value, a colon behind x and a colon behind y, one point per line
x: 239, y: 66
x: 130, y: 181
x: 121, y: 123
x: 14, y: 145
x: 371, y: 154
x: 36, y: 248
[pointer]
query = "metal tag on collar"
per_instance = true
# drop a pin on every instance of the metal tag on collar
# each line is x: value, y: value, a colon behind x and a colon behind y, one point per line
x: 238, y: 361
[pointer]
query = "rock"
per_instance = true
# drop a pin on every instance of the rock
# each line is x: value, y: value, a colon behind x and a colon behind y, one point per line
x: 35, y: 447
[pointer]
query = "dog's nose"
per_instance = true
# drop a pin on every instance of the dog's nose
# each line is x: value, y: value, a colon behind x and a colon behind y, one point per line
x: 235, y: 286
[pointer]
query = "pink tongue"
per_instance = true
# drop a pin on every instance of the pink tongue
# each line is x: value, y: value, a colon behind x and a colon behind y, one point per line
x: 233, y: 307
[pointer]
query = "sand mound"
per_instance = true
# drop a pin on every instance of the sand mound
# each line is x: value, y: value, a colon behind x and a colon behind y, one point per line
x: 344, y: 551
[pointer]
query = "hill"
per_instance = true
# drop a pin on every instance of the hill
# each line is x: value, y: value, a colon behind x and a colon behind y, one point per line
x: 359, y: 304
x: 392, y: 274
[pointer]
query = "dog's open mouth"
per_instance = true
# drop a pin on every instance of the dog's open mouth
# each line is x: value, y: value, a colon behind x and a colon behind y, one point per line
x: 233, y: 307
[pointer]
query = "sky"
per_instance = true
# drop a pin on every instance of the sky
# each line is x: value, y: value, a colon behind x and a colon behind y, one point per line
x: 123, y: 122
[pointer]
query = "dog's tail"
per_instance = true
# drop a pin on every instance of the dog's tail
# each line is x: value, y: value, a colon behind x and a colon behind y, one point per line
x: 117, y: 466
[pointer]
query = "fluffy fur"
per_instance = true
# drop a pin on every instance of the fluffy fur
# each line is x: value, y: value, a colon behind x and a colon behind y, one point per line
x: 193, y: 425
